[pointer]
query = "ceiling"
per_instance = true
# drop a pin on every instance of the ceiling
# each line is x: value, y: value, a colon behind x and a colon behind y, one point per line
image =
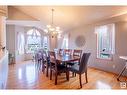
x: 68, y: 17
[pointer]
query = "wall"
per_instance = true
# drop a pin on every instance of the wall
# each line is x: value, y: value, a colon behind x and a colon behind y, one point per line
x: 87, y: 31
x: 11, y: 34
x: 10, y: 38
x: 3, y: 70
x: 53, y: 42
x: 2, y: 31
x: 3, y: 53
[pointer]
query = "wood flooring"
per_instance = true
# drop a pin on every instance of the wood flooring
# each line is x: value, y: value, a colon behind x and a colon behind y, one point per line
x: 26, y: 76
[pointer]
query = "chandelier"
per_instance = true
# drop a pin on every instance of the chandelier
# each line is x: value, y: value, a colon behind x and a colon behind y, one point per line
x: 52, y: 29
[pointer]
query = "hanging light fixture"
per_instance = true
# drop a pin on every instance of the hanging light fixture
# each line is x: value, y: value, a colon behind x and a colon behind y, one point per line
x: 51, y: 29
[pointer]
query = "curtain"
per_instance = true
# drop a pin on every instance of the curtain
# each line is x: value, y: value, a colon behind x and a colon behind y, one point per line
x: 21, y: 43
x: 65, y: 41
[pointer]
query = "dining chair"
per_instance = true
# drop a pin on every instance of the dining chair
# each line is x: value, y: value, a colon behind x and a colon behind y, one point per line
x: 61, y: 51
x: 56, y: 67
x: 81, y: 68
x: 68, y: 51
x: 38, y: 59
x: 77, y: 53
x: 45, y: 63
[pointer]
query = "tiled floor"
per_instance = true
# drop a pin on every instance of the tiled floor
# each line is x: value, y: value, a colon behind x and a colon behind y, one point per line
x: 26, y: 76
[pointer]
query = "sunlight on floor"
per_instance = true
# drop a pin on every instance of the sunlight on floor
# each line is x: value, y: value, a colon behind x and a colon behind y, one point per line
x: 20, y: 73
x: 28, y: 73
x: 102, y: 85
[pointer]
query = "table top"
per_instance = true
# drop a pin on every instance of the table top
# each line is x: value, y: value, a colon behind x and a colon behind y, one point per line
x: 123, y: 57
x: 66, y: 58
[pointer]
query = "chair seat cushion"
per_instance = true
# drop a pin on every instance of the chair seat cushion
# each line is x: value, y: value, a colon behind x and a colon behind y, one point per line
x: 61, y: 67
x: 74, y: 68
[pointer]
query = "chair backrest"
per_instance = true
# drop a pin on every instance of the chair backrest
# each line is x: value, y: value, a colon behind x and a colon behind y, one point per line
x: 83, y: 62
x: 38, y: 55
x: 44, y: 56
x: 52, y: 58
x: 68, y: 51
x: 77, y: 53
x: 60, y: 51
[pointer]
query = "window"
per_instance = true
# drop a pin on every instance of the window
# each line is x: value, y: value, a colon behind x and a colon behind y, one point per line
x: 65, y: 42
x: 33, y: 41
x: 105, y: 41
x: 21, y: 43
x: 46, y: 43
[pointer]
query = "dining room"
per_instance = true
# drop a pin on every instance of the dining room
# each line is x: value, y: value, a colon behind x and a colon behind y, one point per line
x: 64, y: 47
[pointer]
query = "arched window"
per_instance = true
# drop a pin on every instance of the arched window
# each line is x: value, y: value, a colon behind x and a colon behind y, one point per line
x: 33, y: 40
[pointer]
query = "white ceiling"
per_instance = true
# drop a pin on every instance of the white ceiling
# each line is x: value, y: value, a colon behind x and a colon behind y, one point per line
x: 68, y: 17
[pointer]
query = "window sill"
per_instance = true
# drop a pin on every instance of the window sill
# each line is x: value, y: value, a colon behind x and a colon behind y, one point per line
x: 107, y: 59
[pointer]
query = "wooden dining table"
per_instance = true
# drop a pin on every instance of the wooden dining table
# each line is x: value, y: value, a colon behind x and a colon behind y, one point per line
x: 66, y: 58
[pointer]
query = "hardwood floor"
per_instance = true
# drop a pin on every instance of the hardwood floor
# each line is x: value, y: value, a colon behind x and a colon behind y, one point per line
x: 26, y: 76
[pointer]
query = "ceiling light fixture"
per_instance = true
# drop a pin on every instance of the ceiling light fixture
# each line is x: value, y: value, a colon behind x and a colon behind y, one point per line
x: 51, y: 29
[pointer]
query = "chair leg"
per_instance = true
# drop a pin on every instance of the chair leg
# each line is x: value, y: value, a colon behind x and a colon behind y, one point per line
x: 50, y: 74
x: 75, y: 74
x: 55, y: 78
x: 86, y: 77
x: 43, y: 68
x: 67, y: 75
x: 47, y: 71
x: 80, y: 80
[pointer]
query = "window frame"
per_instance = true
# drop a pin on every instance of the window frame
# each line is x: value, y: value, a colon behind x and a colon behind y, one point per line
x: 112, y: 43
x: 30, y: 35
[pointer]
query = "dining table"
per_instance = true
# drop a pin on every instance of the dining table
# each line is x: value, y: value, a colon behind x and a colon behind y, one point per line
x: 64, y: 58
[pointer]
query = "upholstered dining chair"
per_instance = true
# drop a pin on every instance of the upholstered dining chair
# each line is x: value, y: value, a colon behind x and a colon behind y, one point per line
x: 45, y: 63
x: 81, y: 68
x: 77, y: 53
x: 61, y: 51
x: 56, y: 67
x: 38, y: 59
x: 68, y: 51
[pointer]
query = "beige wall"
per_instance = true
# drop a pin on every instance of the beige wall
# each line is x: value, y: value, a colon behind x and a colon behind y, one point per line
x: 2, y: 30
x: 3, y: 14
x: 10, y: 38
x: 3, y: 55
x: 53, y: 42
x: 87, y: 31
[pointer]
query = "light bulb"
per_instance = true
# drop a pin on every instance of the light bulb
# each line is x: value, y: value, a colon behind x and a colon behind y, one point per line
x: 57, y: 28
x: 48, y: 26
x: 51, y: 29
x: 45, y: 30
